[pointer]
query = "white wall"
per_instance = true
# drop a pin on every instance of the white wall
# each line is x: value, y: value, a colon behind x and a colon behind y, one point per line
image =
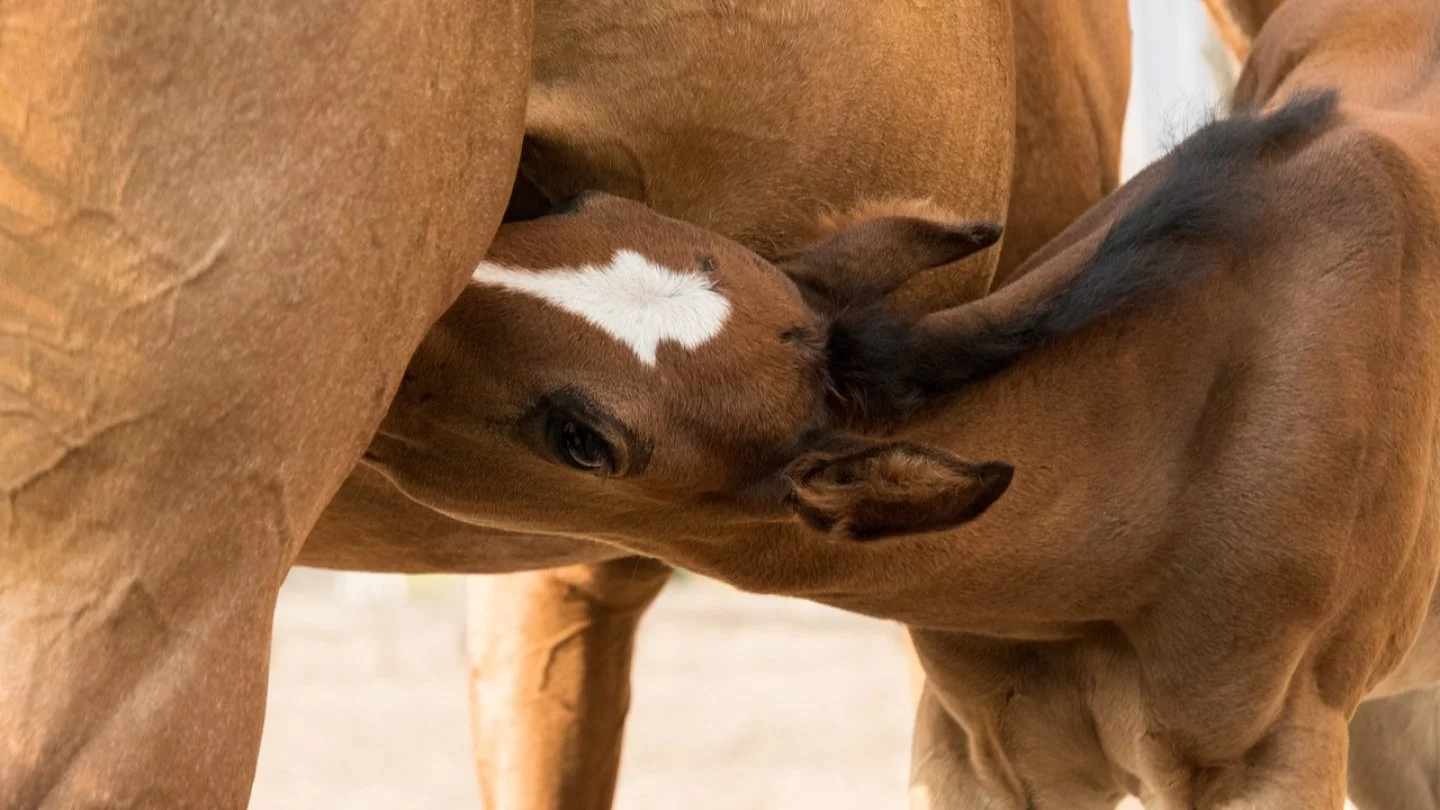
x: 1181, y: 75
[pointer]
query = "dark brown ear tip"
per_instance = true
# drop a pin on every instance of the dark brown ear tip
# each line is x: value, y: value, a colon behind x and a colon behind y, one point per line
x: 983, y: 234
x: 997, y: 476
x: 998, y: 471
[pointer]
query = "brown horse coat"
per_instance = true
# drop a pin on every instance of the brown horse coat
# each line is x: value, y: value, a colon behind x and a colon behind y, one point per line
x: 223, y: 229
x: 1218, y: 392
x: 802, y: 150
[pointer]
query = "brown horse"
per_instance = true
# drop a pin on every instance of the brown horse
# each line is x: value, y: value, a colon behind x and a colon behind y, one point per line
x: 224, y: 227
x: 145, y: 256
x: 1207, y: 532
x: 550, y: 683
x: 965, y: 86
x: 192, y: 197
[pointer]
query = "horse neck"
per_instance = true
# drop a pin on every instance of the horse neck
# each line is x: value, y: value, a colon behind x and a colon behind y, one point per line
x: 1098, y: 427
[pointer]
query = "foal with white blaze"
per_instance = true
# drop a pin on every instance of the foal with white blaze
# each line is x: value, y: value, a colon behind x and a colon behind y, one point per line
x: 1219, y: 391
x: 599, y: 360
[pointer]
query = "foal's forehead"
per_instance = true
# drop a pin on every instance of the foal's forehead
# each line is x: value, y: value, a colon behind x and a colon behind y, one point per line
x: 689, y: 339
x: 638, y: 301
x: 641, y: 279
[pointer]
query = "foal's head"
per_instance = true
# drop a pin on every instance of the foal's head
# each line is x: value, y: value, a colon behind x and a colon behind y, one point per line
x: 607, y: 365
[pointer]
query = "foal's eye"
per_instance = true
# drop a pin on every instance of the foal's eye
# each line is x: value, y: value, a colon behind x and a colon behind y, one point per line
x: 582, y: 448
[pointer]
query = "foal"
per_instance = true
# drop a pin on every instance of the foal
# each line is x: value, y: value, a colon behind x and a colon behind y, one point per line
x: 1218, y: 393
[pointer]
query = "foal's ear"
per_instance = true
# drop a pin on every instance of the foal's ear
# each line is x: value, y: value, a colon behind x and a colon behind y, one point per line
x: 862, y: 263
x: 892, y: 488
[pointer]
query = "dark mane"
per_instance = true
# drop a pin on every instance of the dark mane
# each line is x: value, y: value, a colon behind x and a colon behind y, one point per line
x: 882, y: 368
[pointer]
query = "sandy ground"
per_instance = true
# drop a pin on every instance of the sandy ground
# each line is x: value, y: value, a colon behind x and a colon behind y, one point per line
x: 741, y: 703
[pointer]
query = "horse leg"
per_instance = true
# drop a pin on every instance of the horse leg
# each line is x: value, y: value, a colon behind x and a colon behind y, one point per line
x: 941, y: 777
x: 224, y: 227
x: 1395, y: 752
x: 943, y: 774
x: 550, y: 680
x: 1300, y: 765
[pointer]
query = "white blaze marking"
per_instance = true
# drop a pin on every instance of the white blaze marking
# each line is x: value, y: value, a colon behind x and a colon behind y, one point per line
x: 638, y: 302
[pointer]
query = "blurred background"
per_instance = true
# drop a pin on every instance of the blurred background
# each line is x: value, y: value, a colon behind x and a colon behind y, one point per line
x: 740, y: 702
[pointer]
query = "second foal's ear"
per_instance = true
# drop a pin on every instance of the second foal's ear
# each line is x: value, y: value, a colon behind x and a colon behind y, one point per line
x: 884, y: 489
x: 862, y: 263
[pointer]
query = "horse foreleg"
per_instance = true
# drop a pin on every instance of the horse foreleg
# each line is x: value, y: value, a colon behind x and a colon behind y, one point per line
x: 549, y: 655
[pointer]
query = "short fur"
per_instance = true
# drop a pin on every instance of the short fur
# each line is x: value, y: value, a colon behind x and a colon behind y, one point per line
x: 1221, y: 536
x: 223, y: 230
x: 1201, y: 211
x: 1021, y: 126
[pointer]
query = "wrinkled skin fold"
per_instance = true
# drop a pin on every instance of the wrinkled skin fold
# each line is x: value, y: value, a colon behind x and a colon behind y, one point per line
x: 223, y: 229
